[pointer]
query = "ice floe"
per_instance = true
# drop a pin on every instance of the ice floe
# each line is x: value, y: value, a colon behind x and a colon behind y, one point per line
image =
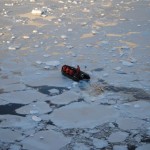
x: 65, y: 98
x: 63, y: 36
x: 120, y: 147
x: 13, y: 121
x: 127, y: 63
x: 117, y: 137
x: 83, y: 115
x: 82, y: 146
x: 50, y: 139
x: 34, y: 108
x: 23, y: 97
x: 141, y: 112
x: 100, y: 143
x: 129, y: 123
x: 32, y: 1
x: 143, y: 147
x: 37, y: 11
x: 9, y: 135
x: 36, y: 118
x: 14, y: 47
x: 54, y: 91
x: 40, y: 108
x: 54, y: 63
x: 26, y: 37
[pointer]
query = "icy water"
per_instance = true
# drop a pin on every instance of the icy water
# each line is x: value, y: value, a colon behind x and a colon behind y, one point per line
x: 40, y: 109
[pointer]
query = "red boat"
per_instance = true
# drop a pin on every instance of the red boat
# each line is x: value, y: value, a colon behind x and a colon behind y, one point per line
x: 74, y: 73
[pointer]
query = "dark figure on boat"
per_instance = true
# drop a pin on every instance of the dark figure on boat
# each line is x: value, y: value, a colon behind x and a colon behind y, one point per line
x: 78, y: 70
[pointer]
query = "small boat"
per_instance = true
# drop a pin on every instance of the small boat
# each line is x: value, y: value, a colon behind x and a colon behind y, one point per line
x: 74, y: 74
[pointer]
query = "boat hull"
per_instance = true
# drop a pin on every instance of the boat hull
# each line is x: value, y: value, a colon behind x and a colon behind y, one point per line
x: 81, y: 76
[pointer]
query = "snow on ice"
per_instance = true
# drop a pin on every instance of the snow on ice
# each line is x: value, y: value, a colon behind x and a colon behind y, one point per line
x: 42, y: 109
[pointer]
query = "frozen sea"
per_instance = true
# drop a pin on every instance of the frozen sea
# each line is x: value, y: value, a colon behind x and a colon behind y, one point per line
x: 40, y: 109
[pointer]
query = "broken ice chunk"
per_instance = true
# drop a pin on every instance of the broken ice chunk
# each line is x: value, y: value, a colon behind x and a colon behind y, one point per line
x: 65, y: 8
x: 69, y: 30
x: 11, y: 48
x: 37, y: 12
x: 38, y: 73
x: 41, y: 43
x: 88, y: 45
x: 9, y: 136
x: 38, y: 62
x: 11, y: 4
x: 55, y: 42
x: 8, y: 28
x: 41, y: 137
x: 69, y: 87
x: 143, y: 147
x: 54, y: 63
x: 117, y: 68
x: 127, y: 63
x: 69, y: 46
x: 46, y: 67
x: 46, y: 55
x: 85, y: 10
x: 25, y: 37
x: 125, y: 48
x: 105, y: 75
x: 94, y: 32
x: 59, y: 20
x: 84, y: 23
x: 63, y: 36
x: 31, y: 135
x: 13, y: 37
x: 43, y: 15
x: 118, y: 136
x: 60, y: 2
x: 36, y: 46
x: 100, y: 143
x: 120, y: 147
x: 136, y: 105
x: 104, y: 43
x: 111, y: 125
x: 37, y: 119
x: 1, y: 34
x: 74, y: 84
x: 34, y: 31
x: 40, y: 33
x: 14, y: 47
x: 75, y: 2
x: 15, y: 147
x: 54, y: 91
x: 74, y: 55
x: 34, y: 112
x: 80, y: 146
x: 133, y: 60
x: 114, y: 48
